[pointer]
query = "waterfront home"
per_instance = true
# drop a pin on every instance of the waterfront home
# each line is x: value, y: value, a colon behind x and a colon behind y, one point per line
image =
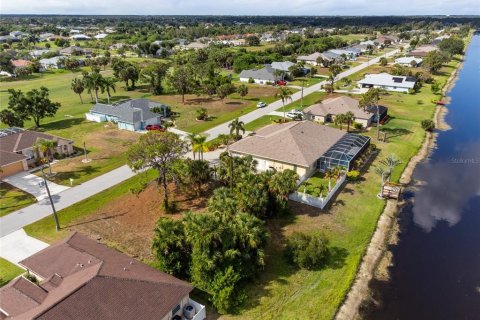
x: 327, y: 110
x: 409, y: 61
x: 80, y: 278
x: 301, y: 146
x: 132, y: 115
x: 388, y: 82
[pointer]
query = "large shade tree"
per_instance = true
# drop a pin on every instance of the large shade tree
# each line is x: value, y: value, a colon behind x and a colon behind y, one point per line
x: 159, y: 151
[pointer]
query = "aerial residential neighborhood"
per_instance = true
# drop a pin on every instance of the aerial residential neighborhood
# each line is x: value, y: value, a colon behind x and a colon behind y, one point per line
x: 243, y: 165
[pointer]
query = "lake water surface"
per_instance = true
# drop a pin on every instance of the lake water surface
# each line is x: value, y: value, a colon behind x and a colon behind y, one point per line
x: 436, y: 272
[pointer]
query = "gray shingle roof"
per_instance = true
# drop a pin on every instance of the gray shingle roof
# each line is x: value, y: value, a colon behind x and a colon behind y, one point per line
x: 131, y: 111
x: 261, y: 74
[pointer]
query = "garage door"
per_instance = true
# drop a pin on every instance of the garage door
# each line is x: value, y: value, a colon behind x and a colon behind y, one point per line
x: 11, y: 168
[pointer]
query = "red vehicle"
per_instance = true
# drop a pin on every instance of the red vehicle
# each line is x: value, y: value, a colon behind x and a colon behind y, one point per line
x: 154, y: 127
x: 281, y: 83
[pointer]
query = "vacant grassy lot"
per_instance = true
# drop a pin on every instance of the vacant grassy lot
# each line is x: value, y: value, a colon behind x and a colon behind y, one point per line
x: 313, y: 98
x: 8, y: 271
x: 12, y: 199
x: 260, y: 122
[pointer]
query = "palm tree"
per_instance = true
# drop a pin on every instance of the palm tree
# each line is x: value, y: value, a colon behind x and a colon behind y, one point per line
x: 107, y: 85
x: 94, y: 81
x: 369, y: 98
x: 236, y: 126
x: 385, y: 174
x: 284, y: 94
x: 46, y: 147
x: 390, y: 162
x: 349, y: 117
x: 78, y: 87
x: 340, y: 120
x: 330, y: 174
x: 200, y: 145
x: 192, y: 138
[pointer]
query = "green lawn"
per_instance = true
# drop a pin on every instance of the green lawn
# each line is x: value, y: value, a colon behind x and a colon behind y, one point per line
x: 260, y: 122
x: 8, y: 271
x: 306, y: 83
x: 12, y: 199
x: 313, y: 98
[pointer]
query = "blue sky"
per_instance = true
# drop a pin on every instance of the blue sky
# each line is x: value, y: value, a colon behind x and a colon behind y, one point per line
x: 243, y: 7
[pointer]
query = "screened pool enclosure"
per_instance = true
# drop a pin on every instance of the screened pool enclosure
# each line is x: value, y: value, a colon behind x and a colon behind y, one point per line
x: 344, y: 152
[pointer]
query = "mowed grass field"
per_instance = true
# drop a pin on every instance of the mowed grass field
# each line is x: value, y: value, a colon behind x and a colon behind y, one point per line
x: 12, y: 199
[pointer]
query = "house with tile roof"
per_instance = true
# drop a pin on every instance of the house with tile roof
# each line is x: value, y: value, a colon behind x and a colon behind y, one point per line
x: 132, y: 115
x: 328, y: 109
x: 298, y: 145
x: 18, y: 152
x: 80, y: 278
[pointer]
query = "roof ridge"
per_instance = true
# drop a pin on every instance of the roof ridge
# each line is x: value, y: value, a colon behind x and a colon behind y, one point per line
x: 22, y: 293
x: 144, y: 280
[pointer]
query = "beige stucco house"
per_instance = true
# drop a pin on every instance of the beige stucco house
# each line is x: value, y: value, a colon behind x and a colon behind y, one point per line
x: 327, y: 110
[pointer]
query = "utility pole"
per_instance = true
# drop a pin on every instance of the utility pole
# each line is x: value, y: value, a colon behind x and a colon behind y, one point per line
x: 85, y: 160
x: 303, y: 83
x: 57, y: 224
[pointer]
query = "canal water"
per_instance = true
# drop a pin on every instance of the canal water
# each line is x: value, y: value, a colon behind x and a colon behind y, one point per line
x: 436, y: 264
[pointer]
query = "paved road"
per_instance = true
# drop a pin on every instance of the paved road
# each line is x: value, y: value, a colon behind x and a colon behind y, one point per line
x: 249, y: 117
x: 20, y: 218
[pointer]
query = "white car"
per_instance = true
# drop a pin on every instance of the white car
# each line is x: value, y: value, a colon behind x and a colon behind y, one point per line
x: 261, y: 104
x: 295, y: 114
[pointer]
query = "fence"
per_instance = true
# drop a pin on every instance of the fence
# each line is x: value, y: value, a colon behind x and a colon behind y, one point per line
x: 317, y: 202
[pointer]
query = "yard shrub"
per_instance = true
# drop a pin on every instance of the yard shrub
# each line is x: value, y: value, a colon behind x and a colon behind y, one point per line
x: 250, y: 80
x: 428, y: 125
x: 353, y: 175
x: 357, y: 126
x: 307, y: 251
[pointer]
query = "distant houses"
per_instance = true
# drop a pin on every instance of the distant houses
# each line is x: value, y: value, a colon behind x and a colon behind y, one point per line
x: 422, y: 51
x: 51, y: 63
x: 323, y: 59
x: 132, y: 115
x: 388, y: 82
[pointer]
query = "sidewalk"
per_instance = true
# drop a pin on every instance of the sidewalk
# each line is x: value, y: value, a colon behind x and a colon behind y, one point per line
x: 20, y: 218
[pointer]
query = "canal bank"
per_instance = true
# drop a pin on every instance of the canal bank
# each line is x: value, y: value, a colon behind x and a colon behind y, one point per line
x: 377, y: 259
x: 444, y: 188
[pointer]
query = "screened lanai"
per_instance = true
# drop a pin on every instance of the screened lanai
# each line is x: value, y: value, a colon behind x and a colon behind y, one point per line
x: 344, y: 152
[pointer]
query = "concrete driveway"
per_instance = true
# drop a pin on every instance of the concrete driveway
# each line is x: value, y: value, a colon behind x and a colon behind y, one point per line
x: 32, y: 184
x: 18, y: 246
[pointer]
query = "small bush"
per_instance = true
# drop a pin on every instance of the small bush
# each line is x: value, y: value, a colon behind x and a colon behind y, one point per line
x: 428, y: 125
x: 353, y: 175
x: 250, y: 80
x: 307, y: 251
x: 357, y: 126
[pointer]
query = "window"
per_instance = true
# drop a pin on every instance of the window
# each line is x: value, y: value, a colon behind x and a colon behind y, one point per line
x: 175, y: 310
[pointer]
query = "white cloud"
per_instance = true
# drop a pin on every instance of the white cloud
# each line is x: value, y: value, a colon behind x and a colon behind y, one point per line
x: 242, y: 7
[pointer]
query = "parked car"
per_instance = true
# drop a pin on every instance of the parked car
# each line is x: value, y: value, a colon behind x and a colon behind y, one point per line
x: 295, y: 114
x: 281, y: 83
x: 261, y: 104
x: 154, y: 127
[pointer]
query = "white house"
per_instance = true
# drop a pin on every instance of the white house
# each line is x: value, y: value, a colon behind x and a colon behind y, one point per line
x: 80, y: 37
x: 407, y: 61
x: 260, y: 76
x: 51, y: 63
x: 388, y: 82
x: 101, y: 36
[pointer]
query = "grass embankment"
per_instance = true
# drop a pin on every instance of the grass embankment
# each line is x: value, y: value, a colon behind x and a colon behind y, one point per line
x: 12, y: 199
x: 315, y: 97
x: 8, y: 271
x: 44, y: 229
x: 283, y: 292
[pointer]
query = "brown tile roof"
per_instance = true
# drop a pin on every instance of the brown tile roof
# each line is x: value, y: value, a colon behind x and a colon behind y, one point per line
x: 25, y: 139
x: 84, y: 279
x: 19, y: 296
x: 298, y: 142
x: 10, y: 157
x: 334, y: 106
x: 21, y: 63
